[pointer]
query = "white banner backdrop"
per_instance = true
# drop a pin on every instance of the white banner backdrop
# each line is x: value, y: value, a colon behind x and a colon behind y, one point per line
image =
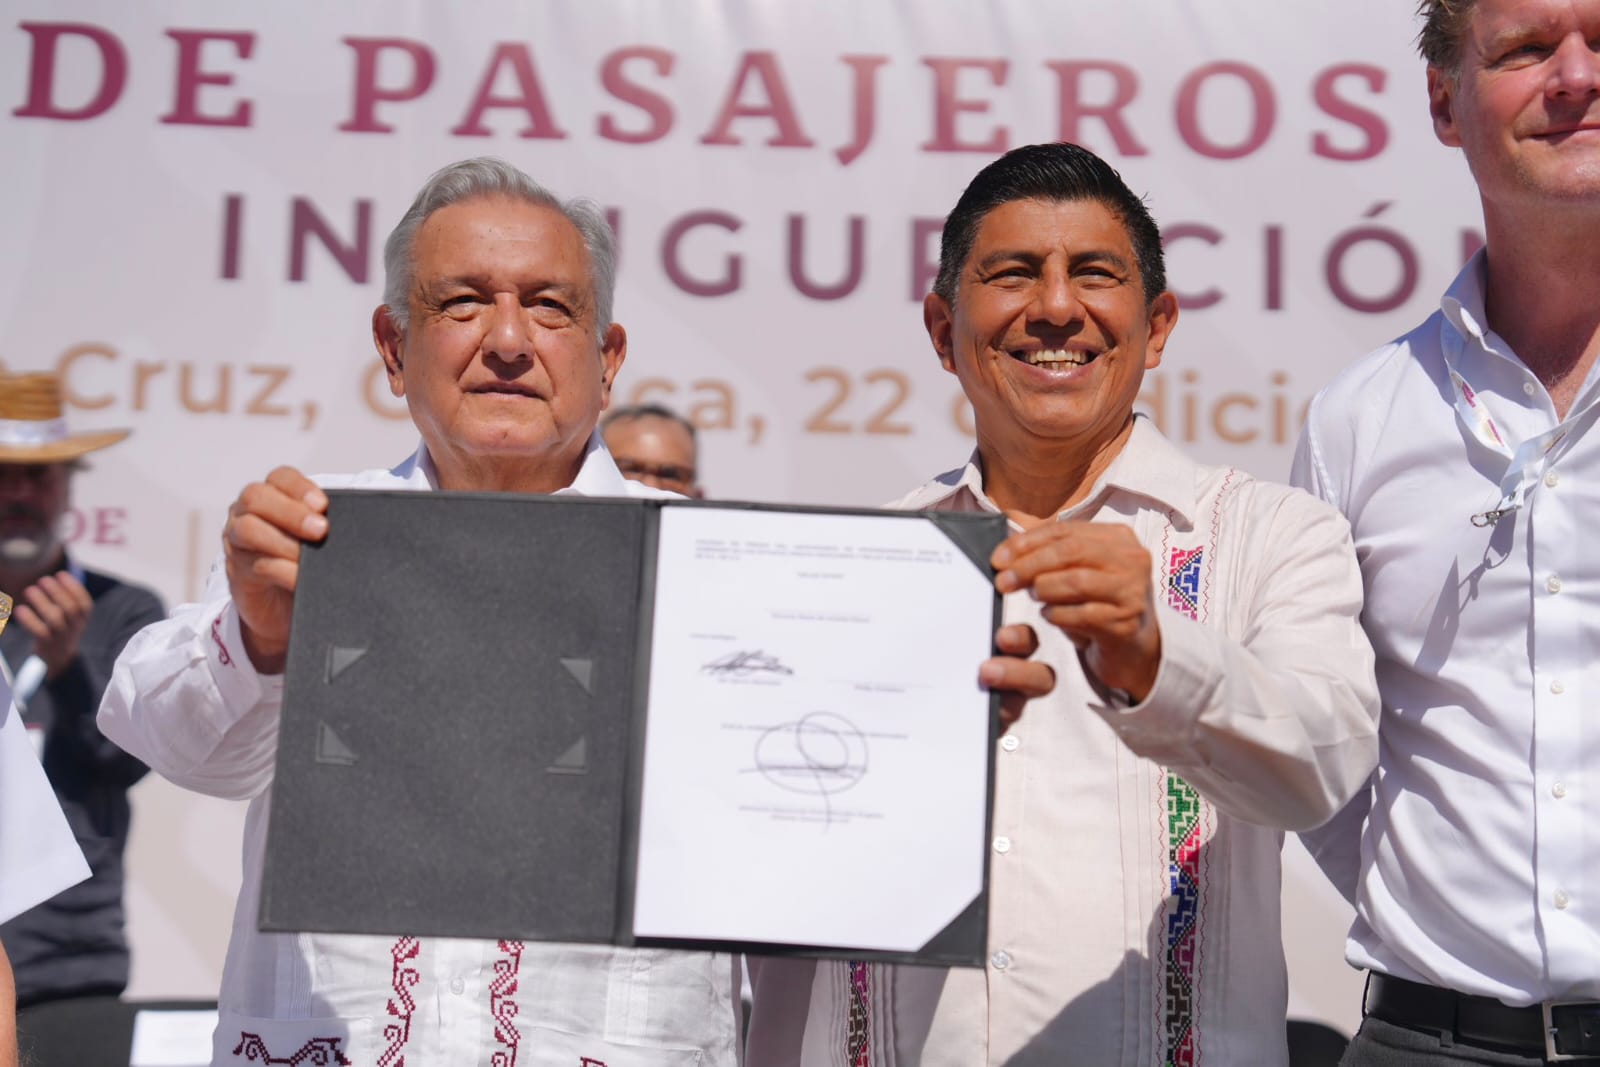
x: 196, y: 196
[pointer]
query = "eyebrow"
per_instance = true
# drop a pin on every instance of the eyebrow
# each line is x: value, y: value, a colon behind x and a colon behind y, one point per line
x: 1516, y: 34
x: 482, y: 281
x: 1093, y: 255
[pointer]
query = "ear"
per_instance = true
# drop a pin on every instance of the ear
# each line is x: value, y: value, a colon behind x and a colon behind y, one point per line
x: 1163, y: 316
x: 1442, y: 106
x: 613, y: 350
x: 939, y: 320
x: 390, y: 343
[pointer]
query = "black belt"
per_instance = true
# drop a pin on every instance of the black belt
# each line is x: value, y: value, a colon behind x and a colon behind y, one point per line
x: 1559, y: 1031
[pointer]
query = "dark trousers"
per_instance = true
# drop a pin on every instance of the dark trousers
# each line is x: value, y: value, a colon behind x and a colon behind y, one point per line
x: 1381, y: 1044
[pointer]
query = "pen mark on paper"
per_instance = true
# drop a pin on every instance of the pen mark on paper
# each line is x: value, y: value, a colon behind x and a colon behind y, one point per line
x: 744, y: 664
x: 820, y: 755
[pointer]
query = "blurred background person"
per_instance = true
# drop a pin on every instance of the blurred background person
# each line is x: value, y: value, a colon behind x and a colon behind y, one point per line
x: 69, y: 625
x: 654, y: 445
x: 37, y: 855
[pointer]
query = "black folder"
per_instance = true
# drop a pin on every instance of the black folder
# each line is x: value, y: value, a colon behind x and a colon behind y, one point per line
x: 461, y: 741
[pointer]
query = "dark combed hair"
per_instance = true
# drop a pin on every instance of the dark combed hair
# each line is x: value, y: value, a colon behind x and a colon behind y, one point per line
x: 1057, y: 172
x: 1444, y: 27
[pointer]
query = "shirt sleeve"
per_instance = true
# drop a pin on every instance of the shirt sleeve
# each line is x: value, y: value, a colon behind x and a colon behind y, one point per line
x: 1336, y: 844
x: 1279, y: 725
x: 185, y: 699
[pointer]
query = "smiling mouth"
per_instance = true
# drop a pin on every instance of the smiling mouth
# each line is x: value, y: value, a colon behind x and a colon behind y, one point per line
x: 1054, y: 358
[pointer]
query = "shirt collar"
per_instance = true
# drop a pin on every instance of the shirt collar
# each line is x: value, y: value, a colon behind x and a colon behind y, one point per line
x: 597, y: 476
x: 1148, y: 466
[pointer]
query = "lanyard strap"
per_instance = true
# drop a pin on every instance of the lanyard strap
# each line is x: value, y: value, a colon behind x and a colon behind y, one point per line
x: 1529, y: 460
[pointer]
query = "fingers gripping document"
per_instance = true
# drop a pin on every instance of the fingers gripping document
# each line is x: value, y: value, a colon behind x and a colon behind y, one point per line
x: 815, y: 760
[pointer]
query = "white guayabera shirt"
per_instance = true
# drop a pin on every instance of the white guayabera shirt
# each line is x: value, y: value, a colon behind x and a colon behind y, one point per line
x: 1135, y: 871
x: 1476, y: 870
x: 185, y: 699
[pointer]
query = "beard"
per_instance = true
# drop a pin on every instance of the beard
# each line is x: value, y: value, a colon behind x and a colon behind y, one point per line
x: 29, y: 546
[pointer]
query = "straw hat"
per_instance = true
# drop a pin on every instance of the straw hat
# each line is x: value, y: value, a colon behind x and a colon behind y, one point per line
x: 33, y: 428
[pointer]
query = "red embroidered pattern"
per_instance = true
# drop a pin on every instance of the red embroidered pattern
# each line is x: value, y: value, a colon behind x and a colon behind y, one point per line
x: 504, y: 1009
x: 320, y: 1051
x: 588, y: 1062
x: 401, y: 1005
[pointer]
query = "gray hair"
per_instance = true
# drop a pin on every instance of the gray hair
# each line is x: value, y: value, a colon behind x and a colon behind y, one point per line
x: 471, y: 179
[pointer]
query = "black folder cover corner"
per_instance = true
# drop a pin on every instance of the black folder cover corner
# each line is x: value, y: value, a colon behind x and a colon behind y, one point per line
x: 461, y: 741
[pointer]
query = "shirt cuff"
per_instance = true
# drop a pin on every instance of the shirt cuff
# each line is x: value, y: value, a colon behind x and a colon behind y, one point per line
x: 238, y: 683
x: 1165, y: 725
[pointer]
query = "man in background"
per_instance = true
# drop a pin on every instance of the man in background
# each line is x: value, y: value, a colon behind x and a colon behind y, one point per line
x: 1465, y: 457
x: 654, y: 445
x: 70, y: 623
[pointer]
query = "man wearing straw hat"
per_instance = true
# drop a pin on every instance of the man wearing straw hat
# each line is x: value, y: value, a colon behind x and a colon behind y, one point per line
x: 68, y: 627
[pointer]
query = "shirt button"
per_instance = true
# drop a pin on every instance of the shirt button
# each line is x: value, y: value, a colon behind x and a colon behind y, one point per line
x: 1002, y: 845
x: 1559, y: 790
x: 1009, y: 742
x: 1562, y: 900
x: 1553, y: 583
x: 1557, y: 687
x: 1551, y: 480
x: 458, y: 986
x: 1000, y: 960
x: 1528, y: 388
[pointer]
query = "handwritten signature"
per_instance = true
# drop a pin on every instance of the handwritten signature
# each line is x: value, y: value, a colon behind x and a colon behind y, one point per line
x: 821, y: 755
x: 743, y: 664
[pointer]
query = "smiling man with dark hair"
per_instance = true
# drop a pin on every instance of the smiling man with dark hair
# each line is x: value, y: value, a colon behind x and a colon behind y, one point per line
x: 1213, y: 684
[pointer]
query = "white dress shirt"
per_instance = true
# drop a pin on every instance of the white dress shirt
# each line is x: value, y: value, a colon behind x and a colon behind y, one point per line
x: 1133, y: 912
x: 39, y: 857
x: 185, y: 699
x: 1477, y: 868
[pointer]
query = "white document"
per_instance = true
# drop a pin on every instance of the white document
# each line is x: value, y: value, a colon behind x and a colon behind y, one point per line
x: 817, y: 744
x: 172, y: 1038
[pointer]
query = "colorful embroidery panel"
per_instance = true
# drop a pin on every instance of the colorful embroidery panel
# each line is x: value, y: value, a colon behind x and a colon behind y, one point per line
x: 1185, y: 833
x: 1183, y: 580
x: 1184, y: 830
x: 858, y: 1047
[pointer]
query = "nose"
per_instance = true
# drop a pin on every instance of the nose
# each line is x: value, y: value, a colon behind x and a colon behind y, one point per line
x: 509, y: 337
x: 1576, y: 70
x: 1054, y: 300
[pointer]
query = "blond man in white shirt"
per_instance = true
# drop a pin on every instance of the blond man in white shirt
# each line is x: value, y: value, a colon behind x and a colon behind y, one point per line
x: 1465, y: 457
x: 1213, y: 684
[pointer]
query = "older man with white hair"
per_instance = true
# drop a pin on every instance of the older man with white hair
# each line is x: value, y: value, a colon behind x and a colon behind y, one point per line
x: 496, y: 329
